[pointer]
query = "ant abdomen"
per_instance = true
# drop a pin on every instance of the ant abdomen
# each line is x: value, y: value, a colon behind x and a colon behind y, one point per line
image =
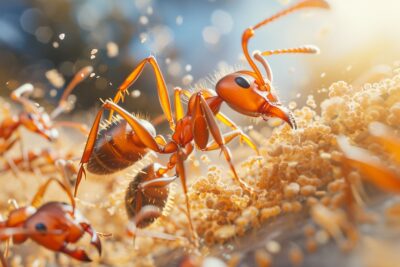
x: 116, y: 149
x: 138, y: 196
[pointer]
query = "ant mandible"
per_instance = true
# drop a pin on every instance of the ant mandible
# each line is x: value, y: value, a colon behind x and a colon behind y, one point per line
x: 54, y: 225
x: 247, y: 92
x: 34, y: 118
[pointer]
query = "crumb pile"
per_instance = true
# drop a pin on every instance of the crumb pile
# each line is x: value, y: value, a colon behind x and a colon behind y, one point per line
x: 298, y: 171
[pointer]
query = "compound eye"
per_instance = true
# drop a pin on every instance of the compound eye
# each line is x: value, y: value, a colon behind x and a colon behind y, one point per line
x: 242, y: 82
x: 41, y: 227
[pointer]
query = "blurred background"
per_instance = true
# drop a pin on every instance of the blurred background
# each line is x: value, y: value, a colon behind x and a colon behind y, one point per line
x: 46, y: 42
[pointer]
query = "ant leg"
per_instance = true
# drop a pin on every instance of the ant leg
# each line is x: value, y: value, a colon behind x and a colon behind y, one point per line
x: 76, y: 125
x: 216, y: 133
x: 156, y: 183
x: 87, y: 152
x: 228, y: 137
x: 17, y: 96
x: 144, y: 135
x: 372, y: 169
x: 3, y: 259
x: 4, y: 147
x: 243, y: 137
x: 78, y: 254
x: 222, y: 118
x: 180, y: 168
x: 179, y: 112
x: 79, y: 77
x: 148, y: 211
x: 249, y: 32
x: 37, y: 199
x: 161, y: 88
x: 94, y: 238
x: 384, y: 135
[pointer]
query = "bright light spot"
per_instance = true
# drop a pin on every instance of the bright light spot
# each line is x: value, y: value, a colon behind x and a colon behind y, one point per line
x: 179, y: 20
x: 222, y: 20
x: 112, y: 49
x: 61, y: 36
x: 211, y: 35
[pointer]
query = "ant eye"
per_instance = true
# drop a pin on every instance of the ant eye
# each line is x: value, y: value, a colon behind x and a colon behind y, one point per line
x: 242, y: 82
x: 41, y: 227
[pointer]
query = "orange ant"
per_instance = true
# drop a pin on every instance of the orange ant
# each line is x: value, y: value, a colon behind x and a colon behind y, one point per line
x: 247, y: 92
x: 54, y: 225
x: 371, y: 168
x: 34, y: 118
x: 41, y: 161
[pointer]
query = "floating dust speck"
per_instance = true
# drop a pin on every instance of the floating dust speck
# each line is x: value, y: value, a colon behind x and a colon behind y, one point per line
x: 135, y: 93
x: 144, y: 20
x: 187, y: 79
x: 112, y: 49
x: 323, y: 75
x: 55, y: 78
x: 179, y: 20
x: 56, y: 45
x: 61, y: 36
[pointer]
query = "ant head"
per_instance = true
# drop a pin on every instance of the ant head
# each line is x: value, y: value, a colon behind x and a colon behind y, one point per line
x: 244, y: 93
x: 53, y: 225
x: 40, y: 123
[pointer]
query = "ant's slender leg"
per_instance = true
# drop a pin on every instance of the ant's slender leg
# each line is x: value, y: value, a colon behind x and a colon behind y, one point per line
x: 8, y: 145
x: 225, y: 120
x: 216, y: 133
x: 161, y: 88
x: 148, y: 211
x: 3, y: 259
x: 372, y: 169
x: 79, y: 77
x: 180, y: 168
x: 78, y: 254
x: 179, y: 112
x: 143, y: 134
x: 17, y: 96
x: 384, y: 135
x: 76, y: 125
x: 244, y: 137
x: 87, y: 152
x: 37, y: 199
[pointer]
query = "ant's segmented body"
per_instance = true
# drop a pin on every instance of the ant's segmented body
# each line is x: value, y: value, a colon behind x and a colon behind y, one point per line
x: 35, y: 118
x: 247, y: 92
x: 53, y: 225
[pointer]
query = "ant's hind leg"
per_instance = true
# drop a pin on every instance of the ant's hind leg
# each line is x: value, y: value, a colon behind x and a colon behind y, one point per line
x: 161, y: 88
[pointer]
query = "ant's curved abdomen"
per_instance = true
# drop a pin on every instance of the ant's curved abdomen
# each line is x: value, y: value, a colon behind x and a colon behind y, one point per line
x: 116, y: 148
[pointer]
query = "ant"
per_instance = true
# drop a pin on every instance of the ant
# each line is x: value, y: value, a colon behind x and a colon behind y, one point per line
x: 247, y: 92
x: 53, y: 225
x: 34, y: 118
x: 371, y: 168
x: 40, y: 161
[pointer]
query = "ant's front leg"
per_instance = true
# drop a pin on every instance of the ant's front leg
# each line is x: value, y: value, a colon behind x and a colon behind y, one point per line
x: 203, y: 111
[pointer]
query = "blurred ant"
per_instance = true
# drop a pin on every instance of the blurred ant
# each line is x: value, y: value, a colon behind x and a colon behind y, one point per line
x: 54, y: 225
x: 247, y: 92
x: 34, y: 118
x: 371, y: 168
x: 41, y: 161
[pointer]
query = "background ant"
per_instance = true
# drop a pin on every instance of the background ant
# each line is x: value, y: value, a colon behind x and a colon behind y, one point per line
x: 248, y: 92
x: 34, y: 118
x: 53, y: 225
